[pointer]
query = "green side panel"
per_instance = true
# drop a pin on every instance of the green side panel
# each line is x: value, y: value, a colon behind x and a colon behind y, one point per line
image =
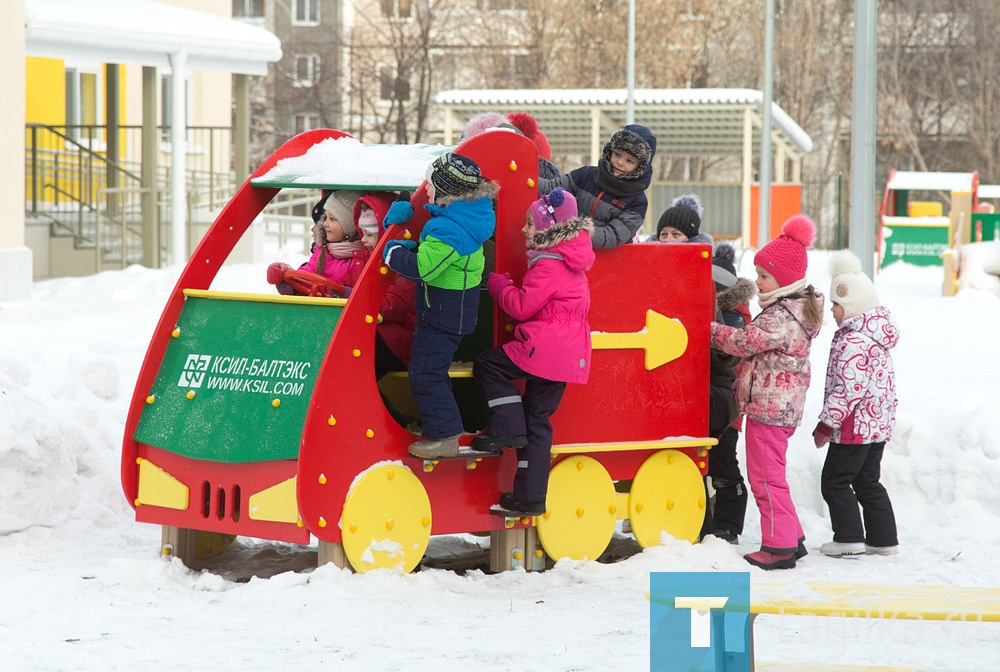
x: 214, y: 396
x: 917, y: 245
x: 985, y: 226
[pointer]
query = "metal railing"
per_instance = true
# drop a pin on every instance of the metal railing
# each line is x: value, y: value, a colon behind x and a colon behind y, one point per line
x: 72, y: 184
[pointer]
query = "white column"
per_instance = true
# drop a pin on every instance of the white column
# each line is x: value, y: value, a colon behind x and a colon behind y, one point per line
x: 15, y: 257
x: 178, y: 156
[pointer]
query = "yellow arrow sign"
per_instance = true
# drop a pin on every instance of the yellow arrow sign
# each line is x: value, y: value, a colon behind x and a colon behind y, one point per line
x: 663, y: 339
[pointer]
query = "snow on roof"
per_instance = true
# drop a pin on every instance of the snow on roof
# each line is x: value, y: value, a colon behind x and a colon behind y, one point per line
x: 989, y: 191
x: 923, y: 181
x: 720, y: 103
x: 145, y: 33
x: 345, y: 163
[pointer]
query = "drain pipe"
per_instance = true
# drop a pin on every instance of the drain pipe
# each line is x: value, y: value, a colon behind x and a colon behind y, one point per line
x: 178, y: 154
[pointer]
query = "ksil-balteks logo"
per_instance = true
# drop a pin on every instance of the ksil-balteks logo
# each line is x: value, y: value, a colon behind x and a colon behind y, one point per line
x: 195, y: 368
x: 699, y: 621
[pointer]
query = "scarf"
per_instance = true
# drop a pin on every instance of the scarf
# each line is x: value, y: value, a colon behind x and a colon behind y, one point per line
x: 767, y: 299
x: 624, y: 185
x: 344, y: 249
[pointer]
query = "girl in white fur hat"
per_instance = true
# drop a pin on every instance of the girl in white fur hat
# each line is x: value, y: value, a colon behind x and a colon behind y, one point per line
x: 859, y: 413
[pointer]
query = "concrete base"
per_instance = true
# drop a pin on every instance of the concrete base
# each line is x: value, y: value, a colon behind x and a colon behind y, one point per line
x: 15, y: 274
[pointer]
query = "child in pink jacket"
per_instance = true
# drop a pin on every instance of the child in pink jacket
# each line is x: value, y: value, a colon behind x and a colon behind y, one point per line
x: 337, y: 242
x: 551, y: 345
x: 859, y: 414
x: 772, y: 383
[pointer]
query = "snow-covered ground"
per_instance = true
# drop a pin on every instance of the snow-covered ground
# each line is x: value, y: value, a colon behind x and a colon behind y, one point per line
x: 83, y: 586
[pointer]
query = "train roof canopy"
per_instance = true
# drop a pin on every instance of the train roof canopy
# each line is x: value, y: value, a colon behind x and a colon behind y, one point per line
x: 929, y: 181
x: 345, y: 163
x: 146, y: 33
x: 686, y: 122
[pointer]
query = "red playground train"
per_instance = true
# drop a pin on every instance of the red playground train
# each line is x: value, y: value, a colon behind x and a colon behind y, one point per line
x: 260, y: 415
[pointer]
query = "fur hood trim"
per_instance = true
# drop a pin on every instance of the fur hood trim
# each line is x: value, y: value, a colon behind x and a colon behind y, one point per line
x: 486, y: 189
x: 562, y: 231
x: 737, y: 295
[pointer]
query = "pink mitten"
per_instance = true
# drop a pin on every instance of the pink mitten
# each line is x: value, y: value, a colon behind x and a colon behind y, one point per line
x: 496, y: 282
x: 822, y: 434
x: 276, y: 272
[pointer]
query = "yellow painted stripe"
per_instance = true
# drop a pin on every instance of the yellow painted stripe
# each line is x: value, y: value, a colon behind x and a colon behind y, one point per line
x: 263, y: 298
x: 767, y: 666
x: 902, y: 602
x: 456, y: 370
x: 572, y: 449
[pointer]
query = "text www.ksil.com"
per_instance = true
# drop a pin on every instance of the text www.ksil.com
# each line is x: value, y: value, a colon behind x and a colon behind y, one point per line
x: 252, y: 385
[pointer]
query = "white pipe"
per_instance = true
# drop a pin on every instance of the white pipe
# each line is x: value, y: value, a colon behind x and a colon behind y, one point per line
x: 863, y: 195
x: 178, y: 153
x: 764, y: 202
x: 630, y: 67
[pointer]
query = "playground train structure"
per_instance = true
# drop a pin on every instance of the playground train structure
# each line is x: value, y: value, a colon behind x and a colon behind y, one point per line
x: 259, y: 414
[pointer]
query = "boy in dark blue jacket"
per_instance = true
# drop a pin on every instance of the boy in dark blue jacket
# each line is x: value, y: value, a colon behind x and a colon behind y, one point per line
x: 612, y: 193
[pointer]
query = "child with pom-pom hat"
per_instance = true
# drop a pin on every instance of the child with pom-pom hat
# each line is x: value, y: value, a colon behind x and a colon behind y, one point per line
x: 551, y: 345
x: 859, y: 414
x: 772, y: 383
x: 681, y: 222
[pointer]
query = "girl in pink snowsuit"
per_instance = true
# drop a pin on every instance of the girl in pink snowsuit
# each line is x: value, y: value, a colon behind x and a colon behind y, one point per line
x: 772, y: 383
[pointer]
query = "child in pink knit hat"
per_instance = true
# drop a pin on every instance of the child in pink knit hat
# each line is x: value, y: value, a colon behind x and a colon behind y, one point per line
x: 772, y: 383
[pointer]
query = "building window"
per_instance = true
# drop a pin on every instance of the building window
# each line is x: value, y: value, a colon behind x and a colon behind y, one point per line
x: 306, y: 122
x: 392, y: 87
x: 306, y: 70
x: 82, y: 101
x: 395, y: 9
x: 306, y: 13
x: 248, y: 9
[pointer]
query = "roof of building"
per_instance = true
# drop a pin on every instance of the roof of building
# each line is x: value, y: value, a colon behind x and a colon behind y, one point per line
x: 930, y: 181
x: 686, y: 122
x: 147, y: 33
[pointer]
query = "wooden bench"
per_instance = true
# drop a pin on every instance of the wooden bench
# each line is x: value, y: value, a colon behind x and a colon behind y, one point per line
x: 869, y: 601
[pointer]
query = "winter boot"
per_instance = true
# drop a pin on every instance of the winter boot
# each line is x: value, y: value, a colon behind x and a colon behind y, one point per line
x: 492, y: 444
x: 726, y: 535
x: 508, y: 502
x: 836, y: 549
x: 430, y: 449
x: 801, y: 551
x: 767, y: 560
x: 881, y: 550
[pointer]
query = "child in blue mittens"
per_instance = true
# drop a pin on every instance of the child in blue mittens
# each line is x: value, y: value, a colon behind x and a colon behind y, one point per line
x: 447, y: 266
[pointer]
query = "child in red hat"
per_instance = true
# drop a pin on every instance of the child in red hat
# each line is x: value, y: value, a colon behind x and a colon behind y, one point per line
x: 772, y: 383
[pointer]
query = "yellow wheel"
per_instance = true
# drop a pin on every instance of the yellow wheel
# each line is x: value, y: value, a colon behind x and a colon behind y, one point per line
x: 668, y: 494
x: 386, y: 520
x: 581, y: 510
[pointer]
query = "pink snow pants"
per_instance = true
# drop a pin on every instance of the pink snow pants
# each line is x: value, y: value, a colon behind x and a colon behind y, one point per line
x: 780, y: 529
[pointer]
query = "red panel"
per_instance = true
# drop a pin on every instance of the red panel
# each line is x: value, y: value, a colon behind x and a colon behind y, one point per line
x: 622, y: 400
x: 229, y: 487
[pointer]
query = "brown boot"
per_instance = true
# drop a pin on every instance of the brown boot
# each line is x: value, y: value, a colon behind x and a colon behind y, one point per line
x: 432, y: 449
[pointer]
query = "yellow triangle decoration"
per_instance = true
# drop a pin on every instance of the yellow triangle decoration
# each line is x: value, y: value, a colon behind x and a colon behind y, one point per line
x: 158, y: 488
x: 276, y: 504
